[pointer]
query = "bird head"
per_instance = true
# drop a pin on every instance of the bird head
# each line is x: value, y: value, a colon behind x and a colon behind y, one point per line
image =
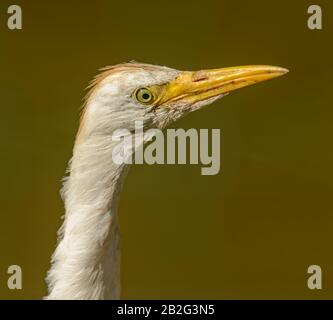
x: 157, y: 95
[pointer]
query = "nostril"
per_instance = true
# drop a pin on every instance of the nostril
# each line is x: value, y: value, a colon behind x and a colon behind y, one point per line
x: 199, y: 76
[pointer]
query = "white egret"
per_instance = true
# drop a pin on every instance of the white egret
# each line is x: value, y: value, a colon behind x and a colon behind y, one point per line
x: 86, y: 262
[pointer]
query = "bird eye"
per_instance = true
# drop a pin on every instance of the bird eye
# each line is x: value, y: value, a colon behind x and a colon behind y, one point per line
x: 144, y: 95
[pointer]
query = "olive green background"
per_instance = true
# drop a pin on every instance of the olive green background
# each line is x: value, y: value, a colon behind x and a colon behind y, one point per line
x: 249, y: 232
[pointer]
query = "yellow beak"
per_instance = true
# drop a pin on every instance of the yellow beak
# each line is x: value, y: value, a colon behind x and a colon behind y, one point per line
x: 198, y: 86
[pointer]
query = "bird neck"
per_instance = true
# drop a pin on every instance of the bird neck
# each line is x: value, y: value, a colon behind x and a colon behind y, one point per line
x: 86, y: 263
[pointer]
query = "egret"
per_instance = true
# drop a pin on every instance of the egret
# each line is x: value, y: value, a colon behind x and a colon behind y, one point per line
x: 86, y: 262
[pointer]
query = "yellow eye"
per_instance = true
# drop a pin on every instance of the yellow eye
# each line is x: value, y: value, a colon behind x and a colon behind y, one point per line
x: 144, y: 95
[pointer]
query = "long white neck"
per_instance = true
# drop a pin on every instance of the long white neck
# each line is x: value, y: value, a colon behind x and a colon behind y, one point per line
x: 86, y: 263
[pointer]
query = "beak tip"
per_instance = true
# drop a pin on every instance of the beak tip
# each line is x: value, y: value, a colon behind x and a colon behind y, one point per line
x: 283, y: 70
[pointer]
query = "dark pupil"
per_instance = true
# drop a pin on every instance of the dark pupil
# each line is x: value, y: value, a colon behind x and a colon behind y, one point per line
x: 146, y: 96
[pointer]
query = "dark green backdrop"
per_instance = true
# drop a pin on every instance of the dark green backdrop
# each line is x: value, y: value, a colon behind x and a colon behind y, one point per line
x: 250, y: 231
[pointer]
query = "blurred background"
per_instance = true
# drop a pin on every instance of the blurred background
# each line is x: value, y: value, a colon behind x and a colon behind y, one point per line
x: 249, y: 232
